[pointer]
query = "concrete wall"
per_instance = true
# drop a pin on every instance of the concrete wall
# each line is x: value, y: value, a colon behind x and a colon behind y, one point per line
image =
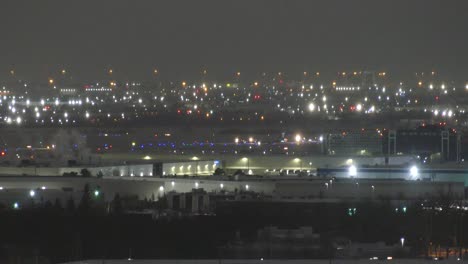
x: 368, y: 189
x: 49, y: 188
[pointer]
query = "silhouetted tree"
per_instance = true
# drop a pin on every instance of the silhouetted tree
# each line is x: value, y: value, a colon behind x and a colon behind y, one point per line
x: 218, y: 172
x: 85, y: 202
x: 85, y: 173
x: 71, y: 205
x: 57, y: 205
x: 117, y: 204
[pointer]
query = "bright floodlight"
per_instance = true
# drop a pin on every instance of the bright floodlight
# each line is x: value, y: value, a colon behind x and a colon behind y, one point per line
x: 298, y: 138
x: 352, y: 171
x: 359, y: 107
x: 311, y: 107
x: 32, y: 193
x: 414, y: 172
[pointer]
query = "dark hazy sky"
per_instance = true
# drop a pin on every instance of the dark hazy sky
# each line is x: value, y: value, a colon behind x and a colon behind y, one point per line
x: 182, y: 37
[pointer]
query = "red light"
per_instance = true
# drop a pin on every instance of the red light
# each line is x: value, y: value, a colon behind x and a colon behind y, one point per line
x: 437, y: 98
x: 3, y: 153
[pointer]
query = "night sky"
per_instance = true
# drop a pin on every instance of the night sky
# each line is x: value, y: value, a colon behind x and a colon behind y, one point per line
x: 180, y: 38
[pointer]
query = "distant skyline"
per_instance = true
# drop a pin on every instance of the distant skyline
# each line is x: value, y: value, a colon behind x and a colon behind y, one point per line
x: 181, y: 38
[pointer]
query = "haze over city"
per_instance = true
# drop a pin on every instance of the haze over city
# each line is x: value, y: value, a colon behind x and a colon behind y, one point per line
x: 233, y: 131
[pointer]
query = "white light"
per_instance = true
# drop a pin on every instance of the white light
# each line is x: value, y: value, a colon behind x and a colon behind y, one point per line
x: 172, y: 184
x: 402, y: 240
x: 196, y: 185
x: 298, y: 138
x: 414, y: 172
x: 359, y: 107
x: 32, y: 193
x: 18, y: 120
x: 221, y: 186
x: 161, y: 188
x: 43, y: 188
x: 311, y: 107
x: 352, y: 171
x: 247, y: 187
